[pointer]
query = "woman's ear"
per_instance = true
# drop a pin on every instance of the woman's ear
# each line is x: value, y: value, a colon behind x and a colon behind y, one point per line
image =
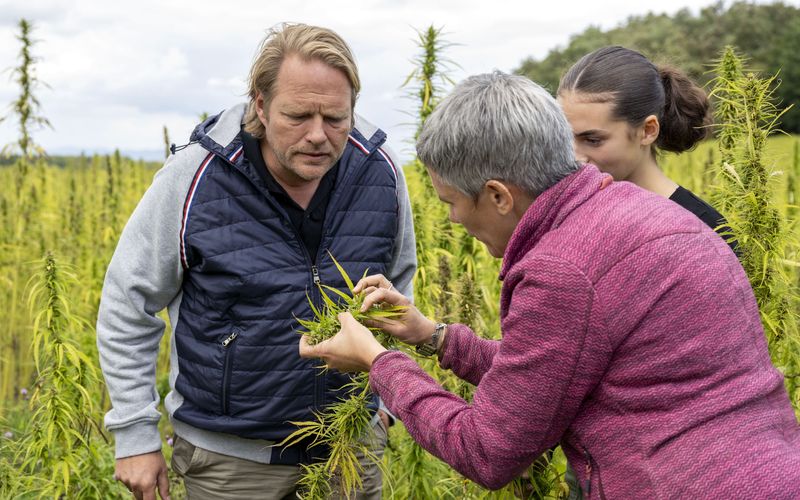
x: 650, y: 130
x: 499, y: 196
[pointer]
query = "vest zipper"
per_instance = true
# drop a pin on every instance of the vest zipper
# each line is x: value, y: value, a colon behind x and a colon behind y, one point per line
x: 230, y: 338
x: 227, y: 368
x: 319, y: 378
x: 315, y: 274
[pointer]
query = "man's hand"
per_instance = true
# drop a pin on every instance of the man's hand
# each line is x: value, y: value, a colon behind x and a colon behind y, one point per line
x: 142, y: 474
x: 384, y: 418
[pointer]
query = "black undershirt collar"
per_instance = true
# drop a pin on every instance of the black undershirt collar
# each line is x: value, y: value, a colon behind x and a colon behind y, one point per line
x: 308, y: 223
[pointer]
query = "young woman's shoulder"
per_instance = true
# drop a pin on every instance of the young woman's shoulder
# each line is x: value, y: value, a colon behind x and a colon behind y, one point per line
x: 705, y: 212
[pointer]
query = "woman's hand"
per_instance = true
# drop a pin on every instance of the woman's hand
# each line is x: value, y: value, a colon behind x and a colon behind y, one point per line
x: 353, y: 349
x: 412, y: 327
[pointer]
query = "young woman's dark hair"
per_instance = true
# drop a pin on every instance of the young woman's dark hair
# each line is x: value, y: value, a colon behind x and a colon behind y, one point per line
x: 623, y: 109
x: 638, y: 89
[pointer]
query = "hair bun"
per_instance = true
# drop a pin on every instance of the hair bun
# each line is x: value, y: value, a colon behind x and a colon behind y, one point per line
x: 686, y: 116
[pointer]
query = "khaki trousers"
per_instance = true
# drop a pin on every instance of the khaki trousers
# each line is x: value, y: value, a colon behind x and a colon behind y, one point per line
x: 208, y: 475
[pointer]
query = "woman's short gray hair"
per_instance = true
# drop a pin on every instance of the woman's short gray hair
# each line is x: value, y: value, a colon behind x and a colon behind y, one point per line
x: 498, y: 126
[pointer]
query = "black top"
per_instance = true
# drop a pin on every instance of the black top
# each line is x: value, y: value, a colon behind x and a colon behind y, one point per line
x: 704, y: 212
x: 308, y: 222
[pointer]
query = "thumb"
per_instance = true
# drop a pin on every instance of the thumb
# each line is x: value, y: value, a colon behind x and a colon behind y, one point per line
x: 163, y: 484
x: 346, y: 319
x: 306, y: 350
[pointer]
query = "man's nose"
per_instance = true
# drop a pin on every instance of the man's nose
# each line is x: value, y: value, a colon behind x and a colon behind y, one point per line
x: 316, y: 130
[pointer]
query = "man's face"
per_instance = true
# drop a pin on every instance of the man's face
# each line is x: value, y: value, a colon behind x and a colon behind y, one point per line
x: 307, y: 122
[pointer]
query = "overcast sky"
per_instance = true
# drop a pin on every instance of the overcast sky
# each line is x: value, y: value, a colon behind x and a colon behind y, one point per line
x: 118, y: 72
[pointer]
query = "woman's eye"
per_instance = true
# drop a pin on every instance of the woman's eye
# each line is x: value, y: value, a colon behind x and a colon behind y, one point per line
x: 593, y: 141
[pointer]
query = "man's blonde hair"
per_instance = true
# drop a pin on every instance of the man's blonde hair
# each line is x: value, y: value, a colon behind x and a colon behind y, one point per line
x: 308, y: 42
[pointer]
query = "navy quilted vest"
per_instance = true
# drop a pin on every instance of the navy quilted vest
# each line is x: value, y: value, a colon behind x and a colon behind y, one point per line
x: 248, y: 277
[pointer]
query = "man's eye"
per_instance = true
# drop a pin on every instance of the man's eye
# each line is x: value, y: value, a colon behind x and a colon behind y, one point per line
x: 336, y: 120
x: 593, y: 141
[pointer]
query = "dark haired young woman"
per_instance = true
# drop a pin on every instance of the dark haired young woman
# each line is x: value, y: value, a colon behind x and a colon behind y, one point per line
x: 623, y: 109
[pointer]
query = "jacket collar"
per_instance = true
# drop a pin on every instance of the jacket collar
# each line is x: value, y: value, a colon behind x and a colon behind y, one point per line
x: 219, y: 134
x: 549, y: 210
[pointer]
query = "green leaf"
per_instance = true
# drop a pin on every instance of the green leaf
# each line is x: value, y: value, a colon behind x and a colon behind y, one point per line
x: 342, y: 272
x: 347, y: 298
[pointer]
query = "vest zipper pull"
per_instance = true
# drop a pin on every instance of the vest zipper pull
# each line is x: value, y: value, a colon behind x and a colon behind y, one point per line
x: 230, y: 339
x: 315, y: 273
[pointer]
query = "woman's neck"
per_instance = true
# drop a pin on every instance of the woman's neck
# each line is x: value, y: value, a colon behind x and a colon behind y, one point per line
x: 650, y: 177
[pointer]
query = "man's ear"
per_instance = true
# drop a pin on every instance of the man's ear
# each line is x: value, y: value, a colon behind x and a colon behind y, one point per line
x: 499, y: 196
x: 650, y: 130
x: 260, y: 108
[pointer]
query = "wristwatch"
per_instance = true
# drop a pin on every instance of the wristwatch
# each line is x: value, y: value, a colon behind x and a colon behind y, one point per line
x: 432, y: 347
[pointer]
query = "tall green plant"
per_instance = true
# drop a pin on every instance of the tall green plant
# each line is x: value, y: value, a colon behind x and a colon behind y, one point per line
x: 427, y: 83
x: 747, y: 115
x: 791, y: 182
x: 430, y: 73
x: 26, y: 106
x: 24, y: 197
x: 71, y: 222
x: 55, y: 443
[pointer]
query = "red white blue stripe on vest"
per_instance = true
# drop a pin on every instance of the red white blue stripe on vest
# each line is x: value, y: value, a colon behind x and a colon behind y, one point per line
x: 382, y: 153
x: 236, y: 154
x: 187, y: 205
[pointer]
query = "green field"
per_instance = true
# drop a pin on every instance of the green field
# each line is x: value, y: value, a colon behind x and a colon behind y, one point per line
x: 76, y: 212
x: 60, y: 220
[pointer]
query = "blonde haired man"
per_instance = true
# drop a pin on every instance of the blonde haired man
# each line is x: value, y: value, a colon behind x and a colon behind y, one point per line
x: 236, y: 231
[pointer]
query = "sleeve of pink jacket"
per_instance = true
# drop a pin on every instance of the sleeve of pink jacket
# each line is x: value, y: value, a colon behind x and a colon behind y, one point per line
x: 553, y: 353
x: 474, y: 356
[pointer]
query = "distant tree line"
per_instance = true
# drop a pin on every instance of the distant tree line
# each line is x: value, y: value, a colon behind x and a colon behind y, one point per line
x: 768, y: 35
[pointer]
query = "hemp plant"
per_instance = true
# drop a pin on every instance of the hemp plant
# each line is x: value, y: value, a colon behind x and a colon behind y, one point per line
x: 342, y: 428
x: 430, y: 72
x: 792, y: 183
x: 26, y: 106
x: 326, y: 322
x: 55, y: 448
x: 747, y: 114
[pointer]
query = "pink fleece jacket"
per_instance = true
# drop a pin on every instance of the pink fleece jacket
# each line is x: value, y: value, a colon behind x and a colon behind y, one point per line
x: 631, y: 336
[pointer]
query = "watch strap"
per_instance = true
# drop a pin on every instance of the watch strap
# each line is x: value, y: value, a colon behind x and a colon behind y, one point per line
x: 432, y: 347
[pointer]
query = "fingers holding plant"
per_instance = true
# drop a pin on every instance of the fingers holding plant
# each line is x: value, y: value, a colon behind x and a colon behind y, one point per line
x: 410, y: 326
x: 373, y: 282
x: 353, y: 349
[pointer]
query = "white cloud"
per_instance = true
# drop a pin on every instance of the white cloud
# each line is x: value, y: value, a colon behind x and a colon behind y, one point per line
x: 120, y: 71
